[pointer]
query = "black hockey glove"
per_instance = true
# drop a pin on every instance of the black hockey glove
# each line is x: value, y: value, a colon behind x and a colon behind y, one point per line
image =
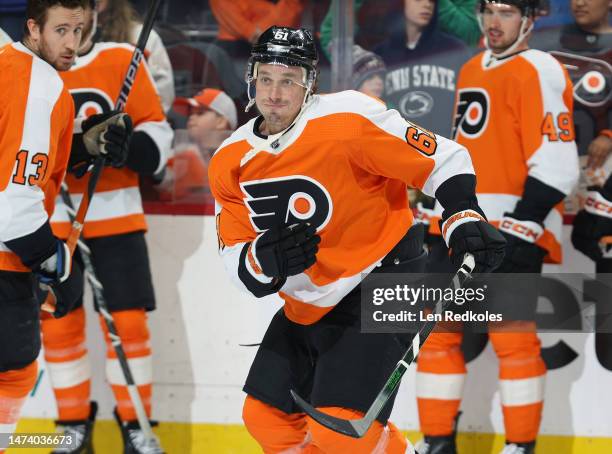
x: 592, y: 223
x: 62, y: 277
x: 50, y: 261
x: 523, y: 255
x: 465, y: 229
x: 286, y: 251
x: 106, y: 134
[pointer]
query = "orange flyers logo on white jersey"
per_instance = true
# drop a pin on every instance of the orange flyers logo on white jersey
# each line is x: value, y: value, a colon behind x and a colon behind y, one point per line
x: 472, y: 115
x: 286, y: 201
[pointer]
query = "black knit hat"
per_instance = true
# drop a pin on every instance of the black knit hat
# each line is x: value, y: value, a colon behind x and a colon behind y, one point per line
x: 365, y: 65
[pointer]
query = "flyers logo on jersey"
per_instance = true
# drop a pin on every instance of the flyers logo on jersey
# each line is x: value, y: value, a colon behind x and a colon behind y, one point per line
x: 592, y: 77
x: 472, y: 113
x: 90, y: 101
x: 287, y: 200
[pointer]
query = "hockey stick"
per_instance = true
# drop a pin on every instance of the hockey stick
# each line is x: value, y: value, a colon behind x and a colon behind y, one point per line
x: 357, y: 428
x: 78, y: 220
x: 98, y: 291
x: 98, y: 164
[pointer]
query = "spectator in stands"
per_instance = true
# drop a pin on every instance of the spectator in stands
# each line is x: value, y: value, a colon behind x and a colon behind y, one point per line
x: 586, y: 46
x: 456, y: 17
x: 119, y: 23
x: 12, y: 17
x: 422, y: 66
x: 368, y: 72
x: 4, y: 38
x: 212, y: 118
x: 242, y: 21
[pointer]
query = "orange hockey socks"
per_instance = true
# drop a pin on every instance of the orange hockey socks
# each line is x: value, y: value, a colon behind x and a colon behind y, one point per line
x: 134, y: 334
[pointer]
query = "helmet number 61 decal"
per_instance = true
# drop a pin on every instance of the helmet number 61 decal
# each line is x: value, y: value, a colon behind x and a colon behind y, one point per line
x: 279, y: 34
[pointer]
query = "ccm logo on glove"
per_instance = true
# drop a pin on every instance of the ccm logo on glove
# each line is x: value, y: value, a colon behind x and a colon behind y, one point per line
x: 529, y: 231
x: 597, y: 204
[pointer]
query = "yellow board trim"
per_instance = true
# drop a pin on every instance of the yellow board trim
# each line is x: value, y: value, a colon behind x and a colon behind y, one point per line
x: 187, y: 438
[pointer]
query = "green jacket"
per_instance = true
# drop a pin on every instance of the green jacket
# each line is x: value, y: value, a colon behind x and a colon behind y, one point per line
x: 458, y: 18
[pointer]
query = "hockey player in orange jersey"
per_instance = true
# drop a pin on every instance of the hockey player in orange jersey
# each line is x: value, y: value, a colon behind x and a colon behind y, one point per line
x: 114, y: 232
x: 311, y: 196
x: 36, y: 125
x: 514, y: 114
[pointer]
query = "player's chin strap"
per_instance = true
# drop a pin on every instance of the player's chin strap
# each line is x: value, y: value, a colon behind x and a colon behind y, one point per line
x: 524, y: 31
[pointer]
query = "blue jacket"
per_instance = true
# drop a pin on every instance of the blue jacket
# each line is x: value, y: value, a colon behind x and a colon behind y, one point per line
x: 12, y: 6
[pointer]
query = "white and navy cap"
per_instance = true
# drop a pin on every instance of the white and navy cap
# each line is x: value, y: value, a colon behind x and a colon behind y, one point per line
x: 213, y: 99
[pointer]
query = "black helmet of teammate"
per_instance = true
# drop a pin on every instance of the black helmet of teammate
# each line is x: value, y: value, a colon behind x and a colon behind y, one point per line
x: 285, y: 46
x: 529, y: 8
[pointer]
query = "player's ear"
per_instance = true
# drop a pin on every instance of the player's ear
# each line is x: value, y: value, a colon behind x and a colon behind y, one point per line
x: 34, y: 29
x: 222, y: 123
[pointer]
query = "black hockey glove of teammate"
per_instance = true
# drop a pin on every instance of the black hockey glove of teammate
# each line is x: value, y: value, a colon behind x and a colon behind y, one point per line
x: 593, y: 222
x: 62, y: 277
x: 106, y: 134
x: 465, y: 229
x: 286, y: 251
x: 50, y: 260
x: 523, y: 255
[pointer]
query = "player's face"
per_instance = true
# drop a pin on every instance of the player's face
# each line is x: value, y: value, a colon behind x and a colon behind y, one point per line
x: 590, y: 13
x: 58, y: 40
x: 279, y: 95
x: 419, y: 12
x: 502, y: 24
x: 373, y: 86
x: 202, y: 121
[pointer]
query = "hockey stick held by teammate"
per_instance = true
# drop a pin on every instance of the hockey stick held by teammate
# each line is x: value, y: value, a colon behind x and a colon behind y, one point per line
x: 137, y: 57
x: 106, y: 139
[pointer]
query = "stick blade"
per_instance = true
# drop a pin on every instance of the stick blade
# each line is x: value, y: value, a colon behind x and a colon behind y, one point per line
x: 355, y: 428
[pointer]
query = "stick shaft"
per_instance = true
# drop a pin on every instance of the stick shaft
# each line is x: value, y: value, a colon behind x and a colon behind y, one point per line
x: 79, y: 220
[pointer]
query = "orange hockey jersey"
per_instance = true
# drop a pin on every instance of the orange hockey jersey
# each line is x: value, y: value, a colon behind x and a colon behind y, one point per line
x: 343, y: 167
x: 515, y: 117
x: 36, y: 123
x: 95, y: 82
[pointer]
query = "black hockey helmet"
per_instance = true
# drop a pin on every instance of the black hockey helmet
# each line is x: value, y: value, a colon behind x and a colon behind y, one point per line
x: 528, y: 8
x: 285, y: 46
